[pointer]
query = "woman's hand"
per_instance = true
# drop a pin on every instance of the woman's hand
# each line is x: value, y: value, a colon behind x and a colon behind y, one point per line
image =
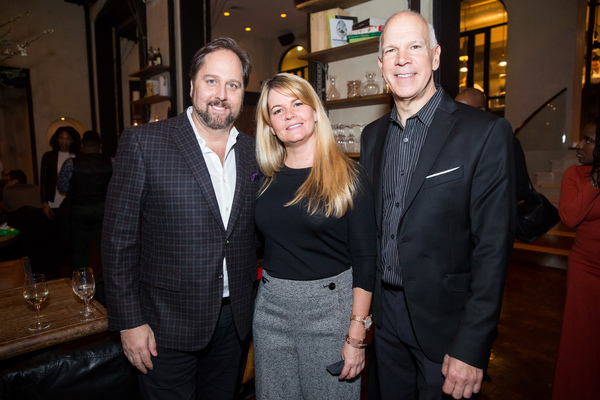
x: 47, y: 211
x: 354, y: 361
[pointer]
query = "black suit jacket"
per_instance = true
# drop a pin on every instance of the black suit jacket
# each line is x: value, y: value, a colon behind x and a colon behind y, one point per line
x: 164, y: 241
x: 455, y: 236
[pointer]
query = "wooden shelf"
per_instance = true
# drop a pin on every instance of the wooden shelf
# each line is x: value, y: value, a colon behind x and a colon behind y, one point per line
x: 383, y: 98
x: 151, y: 100
x: 149, y: 71
x: 310, y: 6
x: 368, y: 46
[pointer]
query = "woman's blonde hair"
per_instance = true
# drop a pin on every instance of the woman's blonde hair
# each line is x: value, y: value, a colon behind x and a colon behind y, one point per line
x: 333, y: 181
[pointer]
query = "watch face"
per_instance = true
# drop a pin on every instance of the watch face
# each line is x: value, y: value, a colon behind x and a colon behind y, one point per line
x: 368, y: 322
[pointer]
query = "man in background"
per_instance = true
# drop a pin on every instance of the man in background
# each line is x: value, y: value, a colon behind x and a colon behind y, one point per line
x: 85, y: 178
x: 472, y: 97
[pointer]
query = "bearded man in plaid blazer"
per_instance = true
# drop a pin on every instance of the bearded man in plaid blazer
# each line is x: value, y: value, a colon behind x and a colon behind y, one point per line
x: 178, y: 240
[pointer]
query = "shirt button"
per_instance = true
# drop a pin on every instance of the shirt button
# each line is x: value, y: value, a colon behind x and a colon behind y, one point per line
x: 389, y: 268
x: 220, y: 276
x: 397, y: 204
x: 402, y: 172
x: 405, y: 140
x: 392, y: 236
x: 331, y: 286
x: 227, y: 241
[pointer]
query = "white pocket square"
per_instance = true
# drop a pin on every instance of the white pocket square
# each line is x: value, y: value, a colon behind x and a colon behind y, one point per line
x: 442, y: 173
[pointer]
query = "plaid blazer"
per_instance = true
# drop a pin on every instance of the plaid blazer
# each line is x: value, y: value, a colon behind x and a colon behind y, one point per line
x: 163, y: 238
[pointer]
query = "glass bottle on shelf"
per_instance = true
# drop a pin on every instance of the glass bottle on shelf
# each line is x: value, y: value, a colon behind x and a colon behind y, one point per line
x: 332, y: 93
x: 370, y: 87
x: 150, y: 56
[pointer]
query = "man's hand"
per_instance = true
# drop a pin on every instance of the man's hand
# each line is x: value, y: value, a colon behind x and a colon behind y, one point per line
x: 47, y: 211
x: 138, y: 345
x: 462, y: 380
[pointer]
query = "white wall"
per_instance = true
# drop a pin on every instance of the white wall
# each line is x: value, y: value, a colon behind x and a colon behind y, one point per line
x: 57, y: 62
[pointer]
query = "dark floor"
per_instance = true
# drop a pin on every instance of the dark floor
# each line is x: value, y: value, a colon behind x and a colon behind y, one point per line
x: 528, y: 334
x: 524, y: 354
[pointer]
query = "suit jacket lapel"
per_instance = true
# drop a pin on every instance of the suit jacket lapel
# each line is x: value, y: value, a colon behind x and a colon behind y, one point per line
x: 185, y: 139
x: 378, y: 164
x: 242, y: 163
x: 438, y: 132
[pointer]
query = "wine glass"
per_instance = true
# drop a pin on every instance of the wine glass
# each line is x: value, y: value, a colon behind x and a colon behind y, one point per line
x: 35, y: 291
x: 84, y: 286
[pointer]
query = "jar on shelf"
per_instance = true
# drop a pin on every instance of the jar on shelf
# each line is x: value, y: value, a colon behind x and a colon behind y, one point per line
x: 354, y: 88
x: 332, y: 93
x: 370, y: 87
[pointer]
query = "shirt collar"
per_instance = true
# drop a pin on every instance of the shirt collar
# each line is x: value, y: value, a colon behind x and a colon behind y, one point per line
x: 425, y: 114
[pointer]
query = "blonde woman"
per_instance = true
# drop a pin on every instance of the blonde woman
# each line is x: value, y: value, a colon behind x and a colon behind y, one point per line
x: 316, y: 217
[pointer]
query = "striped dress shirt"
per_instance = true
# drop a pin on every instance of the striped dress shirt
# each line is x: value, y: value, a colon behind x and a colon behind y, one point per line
x: 401, y: 154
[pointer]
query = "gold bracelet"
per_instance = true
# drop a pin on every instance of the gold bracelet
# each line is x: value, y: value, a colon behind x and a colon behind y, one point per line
x: 356, y: 343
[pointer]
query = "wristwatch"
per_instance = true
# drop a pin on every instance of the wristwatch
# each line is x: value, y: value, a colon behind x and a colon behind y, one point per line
x: 366, y: 321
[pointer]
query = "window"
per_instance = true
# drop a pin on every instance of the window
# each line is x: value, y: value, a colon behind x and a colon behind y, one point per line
x: 483, y: 27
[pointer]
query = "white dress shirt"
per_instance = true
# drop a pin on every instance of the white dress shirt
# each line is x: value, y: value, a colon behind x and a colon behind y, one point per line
x: 223, y: 178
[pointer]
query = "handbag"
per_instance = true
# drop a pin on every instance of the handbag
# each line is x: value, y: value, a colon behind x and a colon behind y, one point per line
x: 535, y: 216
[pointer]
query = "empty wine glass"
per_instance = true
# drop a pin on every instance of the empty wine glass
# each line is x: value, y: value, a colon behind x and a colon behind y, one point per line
x: 35, y: 292
x: 84, y: 286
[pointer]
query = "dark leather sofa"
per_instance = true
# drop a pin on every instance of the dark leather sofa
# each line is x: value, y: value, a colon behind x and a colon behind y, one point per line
x: 95, y: 371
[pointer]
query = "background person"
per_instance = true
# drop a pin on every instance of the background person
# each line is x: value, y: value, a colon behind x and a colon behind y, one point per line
x: 444, y: 199
x: 578, y: 364
x: 472, y: 97
x: 86, y: 178
x: 65, y: 143
x: 178, y: 247
x: 315, y: 212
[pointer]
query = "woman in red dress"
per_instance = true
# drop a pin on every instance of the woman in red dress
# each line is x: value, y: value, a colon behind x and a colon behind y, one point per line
x: 578, y: 364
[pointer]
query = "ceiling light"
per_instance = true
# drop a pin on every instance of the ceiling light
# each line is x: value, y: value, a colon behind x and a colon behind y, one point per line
x: 464, y: 69
x: 283, y: 15
x: 248, y: 29
x: 226, y: 13
x: 502, y: 63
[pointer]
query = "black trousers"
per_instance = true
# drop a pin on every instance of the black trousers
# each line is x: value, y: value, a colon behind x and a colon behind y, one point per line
x: 210, y: 373
x: 404, y: 371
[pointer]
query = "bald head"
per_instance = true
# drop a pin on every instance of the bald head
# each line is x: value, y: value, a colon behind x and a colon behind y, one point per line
x: 472, y: 97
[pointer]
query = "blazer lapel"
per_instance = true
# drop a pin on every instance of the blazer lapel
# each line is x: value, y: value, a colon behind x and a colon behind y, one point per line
x: 438, y: 132
x: 242, y: 163
x: 378, y: 164
x: 184, y: 137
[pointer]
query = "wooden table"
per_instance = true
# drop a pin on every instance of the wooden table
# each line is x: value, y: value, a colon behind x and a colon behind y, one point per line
x: 5, y: 240
x: 61, y: 309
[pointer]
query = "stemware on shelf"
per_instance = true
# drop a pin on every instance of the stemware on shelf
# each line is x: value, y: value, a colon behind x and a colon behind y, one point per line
x: 84, y: 286
x: 35, y: 291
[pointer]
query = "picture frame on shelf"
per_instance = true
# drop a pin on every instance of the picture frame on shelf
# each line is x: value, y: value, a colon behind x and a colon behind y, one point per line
x: 339, y: 27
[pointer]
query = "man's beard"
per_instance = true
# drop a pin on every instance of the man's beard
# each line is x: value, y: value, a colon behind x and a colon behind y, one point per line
x: 219, y: 122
